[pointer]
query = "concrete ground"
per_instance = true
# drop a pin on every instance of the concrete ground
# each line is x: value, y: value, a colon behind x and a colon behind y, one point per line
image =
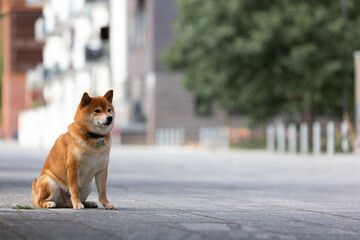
x: 188, y: 194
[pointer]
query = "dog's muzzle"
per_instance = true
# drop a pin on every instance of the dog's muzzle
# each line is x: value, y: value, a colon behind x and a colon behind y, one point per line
x: 109, y: 120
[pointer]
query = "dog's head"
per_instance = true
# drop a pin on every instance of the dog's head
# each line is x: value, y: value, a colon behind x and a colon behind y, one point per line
x: 96, y: 114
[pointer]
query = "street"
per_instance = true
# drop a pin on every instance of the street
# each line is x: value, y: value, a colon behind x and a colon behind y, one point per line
x: 184, y: 193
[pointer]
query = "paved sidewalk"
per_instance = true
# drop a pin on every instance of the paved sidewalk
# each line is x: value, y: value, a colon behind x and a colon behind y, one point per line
x: 186, y: 194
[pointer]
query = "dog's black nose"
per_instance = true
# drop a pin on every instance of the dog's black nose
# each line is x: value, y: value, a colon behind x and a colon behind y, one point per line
x: 109, y: 119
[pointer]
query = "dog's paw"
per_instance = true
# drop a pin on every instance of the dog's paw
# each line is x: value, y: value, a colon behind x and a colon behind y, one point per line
x: 90, y: 204
x: 78, y: 206
x: 109, y: 206
x: 49, y: 204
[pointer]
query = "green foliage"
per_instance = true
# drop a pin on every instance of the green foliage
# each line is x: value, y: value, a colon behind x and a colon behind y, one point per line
x: 267, y: 58
x: 18, y: 207
x: 250, y: 143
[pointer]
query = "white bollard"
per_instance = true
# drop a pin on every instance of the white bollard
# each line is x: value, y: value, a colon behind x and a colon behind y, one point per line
x: 270, y: 138
x: 182, y: 136
x: 212, y: 137
x: 280, y: 135
x: 344, y: 137
x: 157, y: 137
x: 172, y: 132
x: 218, y: 137
x: 161, y: 137
x: 201, y: 137
x: 292, y: 137
x: 304, y: 138
x: 167, y: 137
x: 330, y: 142
x: 226, y: 138
x: 170, y: 136
x: 215, y: 134
x: 176, y: 136
x: 316, y: 138
x: 207, y: 137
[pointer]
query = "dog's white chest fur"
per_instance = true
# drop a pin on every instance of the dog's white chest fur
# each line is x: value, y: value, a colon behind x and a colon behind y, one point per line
x: 90, y: 165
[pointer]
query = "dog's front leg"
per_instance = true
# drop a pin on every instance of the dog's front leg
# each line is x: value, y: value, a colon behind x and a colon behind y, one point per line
x: 73, y: 180
x: 100, y: 179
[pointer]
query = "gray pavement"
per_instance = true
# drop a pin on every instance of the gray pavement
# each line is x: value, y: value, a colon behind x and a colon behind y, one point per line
x: 192, y: 194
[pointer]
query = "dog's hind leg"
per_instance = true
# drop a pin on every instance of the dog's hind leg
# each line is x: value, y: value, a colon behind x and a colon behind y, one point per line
x: 48, y: 193
x: 44, y: 194
x: 40, y: 191
x: 34, y: 194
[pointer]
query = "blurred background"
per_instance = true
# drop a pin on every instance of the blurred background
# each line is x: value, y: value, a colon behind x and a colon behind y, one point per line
x: 277, y: 75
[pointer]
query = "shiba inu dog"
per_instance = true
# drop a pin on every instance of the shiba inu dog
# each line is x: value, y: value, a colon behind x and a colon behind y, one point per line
x: 78, y: 156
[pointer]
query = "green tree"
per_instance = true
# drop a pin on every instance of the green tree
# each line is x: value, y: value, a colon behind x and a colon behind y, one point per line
x: 267, y: 58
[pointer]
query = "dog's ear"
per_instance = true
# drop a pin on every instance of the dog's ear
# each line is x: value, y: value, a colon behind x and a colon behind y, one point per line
x: 109, y: 95
x: 85, y: 100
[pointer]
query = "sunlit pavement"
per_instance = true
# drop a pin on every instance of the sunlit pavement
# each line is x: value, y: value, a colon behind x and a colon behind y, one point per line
x: 193, y: 194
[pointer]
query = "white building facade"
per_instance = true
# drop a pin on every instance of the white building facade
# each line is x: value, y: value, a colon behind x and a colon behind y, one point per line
x: 79, y: 55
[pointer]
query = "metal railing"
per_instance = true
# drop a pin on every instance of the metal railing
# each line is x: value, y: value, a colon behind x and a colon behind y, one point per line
x: 278, y: 137
x: 214, y: 137
x: 169, y: 136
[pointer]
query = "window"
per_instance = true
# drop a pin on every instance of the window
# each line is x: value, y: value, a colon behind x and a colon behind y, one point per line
x: 104, y: 33
x: 203, y: 107
x: 138, y: 25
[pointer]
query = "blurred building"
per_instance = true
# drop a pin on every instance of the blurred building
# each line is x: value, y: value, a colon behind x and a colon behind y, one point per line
x: 356, y: 144
x: 19, y: 51
x: 75, y: 59
x: 95, y: 45
x: 156, y: 98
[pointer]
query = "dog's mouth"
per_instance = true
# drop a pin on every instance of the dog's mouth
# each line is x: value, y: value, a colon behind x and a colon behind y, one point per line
x: 103, y: 124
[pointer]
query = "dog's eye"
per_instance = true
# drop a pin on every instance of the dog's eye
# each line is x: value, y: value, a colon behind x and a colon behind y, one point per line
x: 97, y: 111
x: 109, y: 110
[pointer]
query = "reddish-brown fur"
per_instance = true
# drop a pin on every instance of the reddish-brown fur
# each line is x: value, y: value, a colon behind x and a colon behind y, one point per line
x: 76, y: 158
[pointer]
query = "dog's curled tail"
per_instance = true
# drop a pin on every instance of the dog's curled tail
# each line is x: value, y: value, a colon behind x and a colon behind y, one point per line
x: 34, y: 194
